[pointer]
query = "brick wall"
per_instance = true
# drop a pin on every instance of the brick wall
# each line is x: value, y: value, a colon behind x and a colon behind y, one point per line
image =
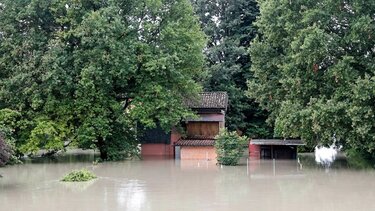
x: 155, y: 149
x: 161, y: 149
x: 254, y: 151
x: 198, y: 153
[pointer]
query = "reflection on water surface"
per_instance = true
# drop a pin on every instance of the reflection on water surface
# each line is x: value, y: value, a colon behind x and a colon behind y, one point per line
x: 167, y: 184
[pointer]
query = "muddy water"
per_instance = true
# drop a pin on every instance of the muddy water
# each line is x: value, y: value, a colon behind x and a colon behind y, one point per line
x: 165, y: 184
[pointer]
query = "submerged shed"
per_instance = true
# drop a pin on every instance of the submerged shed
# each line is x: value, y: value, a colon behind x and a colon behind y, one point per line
x: 274, y: 148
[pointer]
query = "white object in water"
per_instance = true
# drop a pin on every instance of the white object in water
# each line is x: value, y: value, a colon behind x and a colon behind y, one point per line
x: 325, y: 155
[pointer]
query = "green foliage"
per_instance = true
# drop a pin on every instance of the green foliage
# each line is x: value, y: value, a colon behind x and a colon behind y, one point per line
x: 230, y: 147
x: 87, y: 71
x: 360, y: 159
x: 5, y: 152
x: 313, y: 66
x: 46, y: 135
x: 9, y: 123
x: 229, y: 27
x: 82, y: 175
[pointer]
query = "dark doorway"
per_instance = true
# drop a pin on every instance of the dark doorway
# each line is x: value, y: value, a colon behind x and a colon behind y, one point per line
x: 278, y: 152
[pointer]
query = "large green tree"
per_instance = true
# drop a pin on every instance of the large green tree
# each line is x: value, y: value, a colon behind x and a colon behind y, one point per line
x: 229, y: 27
x: 314, y: 67
x: 85, y: 71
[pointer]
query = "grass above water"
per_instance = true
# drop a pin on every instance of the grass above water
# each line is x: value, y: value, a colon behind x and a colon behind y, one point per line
x: 82, y: 175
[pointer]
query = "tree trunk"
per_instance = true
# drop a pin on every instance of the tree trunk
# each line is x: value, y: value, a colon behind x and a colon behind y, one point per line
x: 102, y: 149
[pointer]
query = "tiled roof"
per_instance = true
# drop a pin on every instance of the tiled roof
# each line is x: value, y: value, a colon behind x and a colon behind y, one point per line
x: 210, y: 100
x: 195, y: 142
x: 287, y: 142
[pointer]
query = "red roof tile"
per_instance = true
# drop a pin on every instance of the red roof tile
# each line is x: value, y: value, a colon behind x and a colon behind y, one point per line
x: 195, y: 142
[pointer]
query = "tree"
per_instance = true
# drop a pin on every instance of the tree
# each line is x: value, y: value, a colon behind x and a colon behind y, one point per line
x: 229, y: 26
x: 313, y: 66
x: 85, y: 72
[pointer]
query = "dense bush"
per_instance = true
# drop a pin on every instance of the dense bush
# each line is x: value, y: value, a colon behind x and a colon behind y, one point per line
x: 9, y: 123
x: 82, y: 175
x: 230, y: 147
x: 360, y: 159
x: 5, y: 151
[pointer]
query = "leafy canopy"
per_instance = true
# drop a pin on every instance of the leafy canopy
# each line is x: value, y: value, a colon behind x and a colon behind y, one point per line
x: 84, y: 72
x: 313, y: 66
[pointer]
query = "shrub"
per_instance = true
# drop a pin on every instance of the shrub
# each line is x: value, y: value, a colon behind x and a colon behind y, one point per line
x: 82, y: 175
x: 230, y: 147
x: 10, y: 132
x: 360, y: 159
x: 5, y: 151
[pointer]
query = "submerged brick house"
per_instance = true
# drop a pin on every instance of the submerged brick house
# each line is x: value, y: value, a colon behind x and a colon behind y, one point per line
x: 198, y: 142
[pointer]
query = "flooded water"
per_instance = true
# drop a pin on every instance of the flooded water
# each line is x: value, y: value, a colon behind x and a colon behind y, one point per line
x: 167, y: 184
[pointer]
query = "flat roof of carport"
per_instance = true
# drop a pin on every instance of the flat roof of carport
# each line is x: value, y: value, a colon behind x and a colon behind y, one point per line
x: 282, y: 142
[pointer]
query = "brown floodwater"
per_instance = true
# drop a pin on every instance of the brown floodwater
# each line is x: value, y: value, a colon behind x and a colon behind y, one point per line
x: 166, y: 184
